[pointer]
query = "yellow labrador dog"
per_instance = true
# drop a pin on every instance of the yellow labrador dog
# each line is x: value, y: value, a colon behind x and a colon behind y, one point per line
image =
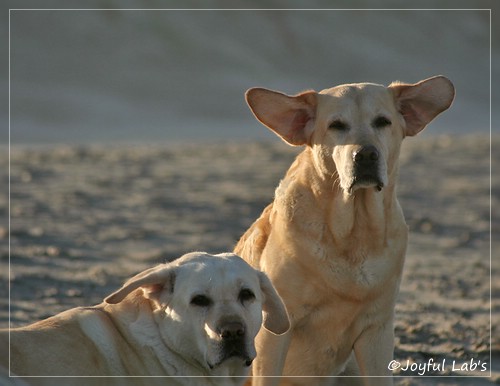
x: 333, y: 241
x: 196, y: 316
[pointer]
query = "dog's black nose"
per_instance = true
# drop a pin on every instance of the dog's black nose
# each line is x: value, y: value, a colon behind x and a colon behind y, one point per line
x: 366, y: 155
x: 232, y: 330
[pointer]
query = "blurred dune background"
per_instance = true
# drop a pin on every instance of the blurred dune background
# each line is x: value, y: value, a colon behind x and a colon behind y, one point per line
x: 131, y: 144
x: 128, y: 75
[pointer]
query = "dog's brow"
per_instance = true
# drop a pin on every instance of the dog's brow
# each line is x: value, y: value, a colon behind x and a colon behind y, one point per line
x: 381, y: 113
x: 336, y: 117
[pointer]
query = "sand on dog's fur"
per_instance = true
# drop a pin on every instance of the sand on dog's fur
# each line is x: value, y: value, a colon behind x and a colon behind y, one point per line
x: 83, y: 218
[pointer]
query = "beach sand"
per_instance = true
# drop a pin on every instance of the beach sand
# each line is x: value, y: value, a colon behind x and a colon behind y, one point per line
x: 84, y: 218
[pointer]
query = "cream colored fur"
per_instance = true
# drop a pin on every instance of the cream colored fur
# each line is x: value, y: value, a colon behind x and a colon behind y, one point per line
x: 154, y: 326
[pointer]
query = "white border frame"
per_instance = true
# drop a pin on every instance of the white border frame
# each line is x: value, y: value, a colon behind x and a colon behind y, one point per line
x: 243, y: 10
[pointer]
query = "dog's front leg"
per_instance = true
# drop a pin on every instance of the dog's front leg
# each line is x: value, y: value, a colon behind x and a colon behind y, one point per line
x: 374, y: 351
x: 271, y: 354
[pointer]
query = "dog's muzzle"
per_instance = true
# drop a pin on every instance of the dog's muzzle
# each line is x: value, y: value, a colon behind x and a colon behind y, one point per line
x: 233, y: 343
x: 366, y: 168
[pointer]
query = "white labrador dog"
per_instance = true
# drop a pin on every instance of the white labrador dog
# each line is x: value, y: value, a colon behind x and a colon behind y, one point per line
x: 196, y: 316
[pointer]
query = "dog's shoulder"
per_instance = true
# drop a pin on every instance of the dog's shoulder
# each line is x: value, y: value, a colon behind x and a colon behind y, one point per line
x: 254, y: 240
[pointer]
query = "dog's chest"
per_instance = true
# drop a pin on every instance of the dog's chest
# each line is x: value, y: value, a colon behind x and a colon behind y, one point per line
x: 331, y: 327
x: 353, y: 267
x: 356, y: 246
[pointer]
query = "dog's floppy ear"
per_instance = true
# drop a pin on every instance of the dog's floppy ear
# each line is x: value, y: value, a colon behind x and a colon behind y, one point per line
x: 291, y: 117
x: 152, y: 281
x: 275, y: 315
x: 421, y: 102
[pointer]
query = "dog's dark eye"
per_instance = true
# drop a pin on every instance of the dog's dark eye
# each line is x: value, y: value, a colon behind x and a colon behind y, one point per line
x: 201, y: 301
x: 381, y: 122
x: 338, y: 125
x: 246, y: 295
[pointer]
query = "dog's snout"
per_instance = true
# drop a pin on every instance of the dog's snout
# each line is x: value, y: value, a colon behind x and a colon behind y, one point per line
x: 232, y: 330
x: 366, y: 155
x: 367, y: 163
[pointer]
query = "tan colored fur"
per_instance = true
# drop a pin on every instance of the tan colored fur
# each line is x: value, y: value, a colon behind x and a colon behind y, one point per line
x: 333, y: 241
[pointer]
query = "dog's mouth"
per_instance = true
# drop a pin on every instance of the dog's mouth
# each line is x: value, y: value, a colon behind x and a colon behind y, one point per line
x: 365, y: 181
x: 233, y: 351
x: 245, y: 360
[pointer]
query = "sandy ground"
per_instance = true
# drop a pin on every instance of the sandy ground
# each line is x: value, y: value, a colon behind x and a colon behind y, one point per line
x: 84, y: 218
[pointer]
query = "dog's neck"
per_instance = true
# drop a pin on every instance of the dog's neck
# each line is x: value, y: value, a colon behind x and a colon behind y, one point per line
x: 366, y: 211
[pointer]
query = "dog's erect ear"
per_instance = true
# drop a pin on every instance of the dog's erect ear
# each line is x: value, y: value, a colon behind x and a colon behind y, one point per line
x: 291, y: 117
x: 152, y: 281
x: 275, y: 315
x: 421, y: 102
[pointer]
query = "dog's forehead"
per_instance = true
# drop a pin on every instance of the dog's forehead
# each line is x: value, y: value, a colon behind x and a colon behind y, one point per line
x: 354, y: 90
x: 360, y: 95
x: 225, y: 270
